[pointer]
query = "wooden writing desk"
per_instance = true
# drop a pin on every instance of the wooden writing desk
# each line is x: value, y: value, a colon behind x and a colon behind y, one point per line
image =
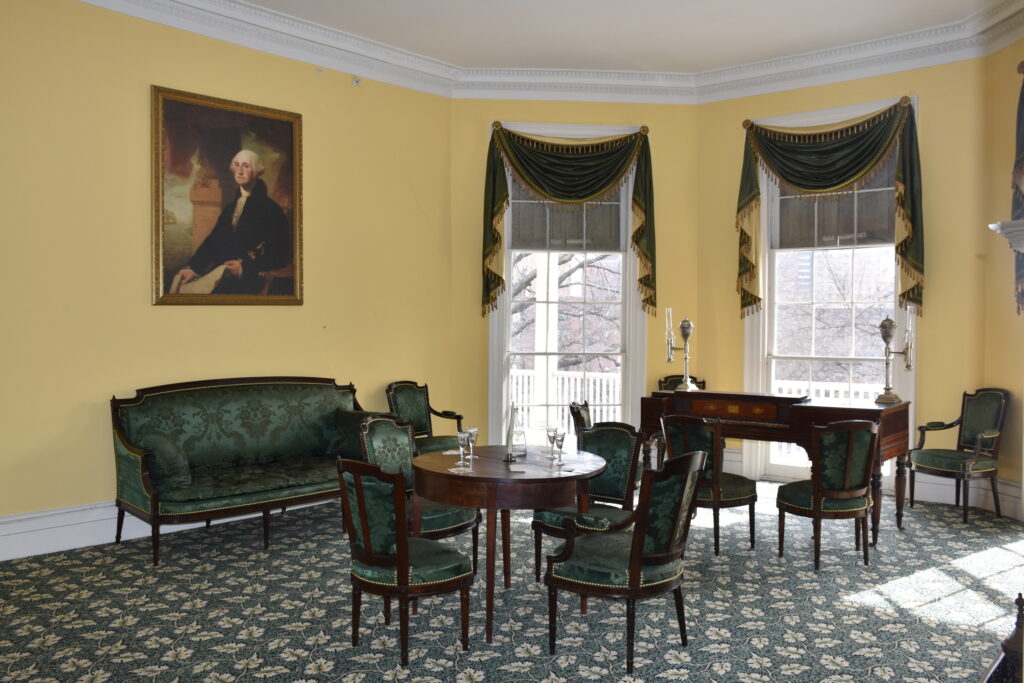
x: 763, y: 417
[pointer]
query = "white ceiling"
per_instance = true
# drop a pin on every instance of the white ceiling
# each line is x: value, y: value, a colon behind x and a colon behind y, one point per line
x: 674, y: 51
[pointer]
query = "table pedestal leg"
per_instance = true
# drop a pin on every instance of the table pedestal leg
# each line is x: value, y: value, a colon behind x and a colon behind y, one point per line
x: 901, y: 488
x: 492, y: 528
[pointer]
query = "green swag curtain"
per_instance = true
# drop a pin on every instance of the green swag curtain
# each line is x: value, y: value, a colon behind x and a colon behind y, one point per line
x: 830, y: 159
x: 1017, y: 210
x: 571, y: 173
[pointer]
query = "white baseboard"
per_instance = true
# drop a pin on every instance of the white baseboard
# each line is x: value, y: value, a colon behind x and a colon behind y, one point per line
x: 80, y: 526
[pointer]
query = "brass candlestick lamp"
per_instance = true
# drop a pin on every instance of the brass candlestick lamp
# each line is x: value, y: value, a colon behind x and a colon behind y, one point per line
x: 887, y: 329
x: 685, y: 331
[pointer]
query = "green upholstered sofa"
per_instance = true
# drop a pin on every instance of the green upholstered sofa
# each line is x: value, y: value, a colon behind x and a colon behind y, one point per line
x: 198, y: 451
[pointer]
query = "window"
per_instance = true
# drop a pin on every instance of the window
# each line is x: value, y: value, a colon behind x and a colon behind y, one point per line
x: 570, y: 314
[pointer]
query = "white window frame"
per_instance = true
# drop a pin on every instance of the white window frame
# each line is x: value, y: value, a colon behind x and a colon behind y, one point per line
x: 756, y: 332
x: 634, y: 321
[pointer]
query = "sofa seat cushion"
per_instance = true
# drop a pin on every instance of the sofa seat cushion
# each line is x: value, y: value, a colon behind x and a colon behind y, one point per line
x: 438, y: 517
x: 950, y: 461
x: 429, y: 444
x: 598, y: 518
x: 255, y: 480
x: 602, y: 559
x: 429, y: 562
x: 734, y: 487
x: 800, y: 494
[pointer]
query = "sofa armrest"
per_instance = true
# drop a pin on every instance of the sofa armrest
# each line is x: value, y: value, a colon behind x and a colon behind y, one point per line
x: 132, y: 466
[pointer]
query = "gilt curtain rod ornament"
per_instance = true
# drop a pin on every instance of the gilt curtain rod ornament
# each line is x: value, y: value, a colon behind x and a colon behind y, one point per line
x: 570, y: 173
x: 823, y: 161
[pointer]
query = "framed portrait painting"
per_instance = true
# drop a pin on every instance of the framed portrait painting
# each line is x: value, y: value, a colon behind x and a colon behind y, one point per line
x: 227, y: 213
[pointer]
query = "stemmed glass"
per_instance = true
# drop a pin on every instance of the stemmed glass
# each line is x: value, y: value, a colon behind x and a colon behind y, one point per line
x: 551, y: 430
x: 472, y: 431
x: 463, y: 444
x: 559, y: 440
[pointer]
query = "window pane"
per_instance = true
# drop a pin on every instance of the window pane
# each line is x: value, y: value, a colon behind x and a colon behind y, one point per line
x: 603, y: 227
x: 830, y: 379
x: 604, y: 362
x: 868, y: 379
x: 874, y: 272
x: 570, y: 277
x: 835, y: 221
x: 875, y: 217
x: 832, y: 274
x: 833, y: 330
x: 603, y: 328
x: 867, y: 341
x: 566, y: 227
x: 793, y: 276
x: 528, y: 226
x: 796, y: 223
x: 523, y: 386
x: 570, y: 327
x: 792, y: 327
x: 604, y: 277
x: 524, y: 276
x: 790, y: 377
x: 523, y: 327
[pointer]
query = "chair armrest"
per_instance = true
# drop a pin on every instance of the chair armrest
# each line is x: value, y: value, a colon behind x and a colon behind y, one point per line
x: 933, y: 427
x: 132, y: 466
x: 449, y: 415
x: 982, y: 437
x: 569, y: 527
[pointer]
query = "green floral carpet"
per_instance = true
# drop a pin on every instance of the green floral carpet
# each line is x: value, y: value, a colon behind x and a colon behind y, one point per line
x: 932, y: 606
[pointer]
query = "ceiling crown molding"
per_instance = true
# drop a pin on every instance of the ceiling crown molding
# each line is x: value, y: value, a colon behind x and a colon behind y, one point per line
x: 279, y: 34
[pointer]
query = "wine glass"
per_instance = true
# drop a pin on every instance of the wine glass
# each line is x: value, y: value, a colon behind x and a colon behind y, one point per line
x: 472, y: 431
x: 551, y: 429
x: 559, y: 440
x: 460, y: 466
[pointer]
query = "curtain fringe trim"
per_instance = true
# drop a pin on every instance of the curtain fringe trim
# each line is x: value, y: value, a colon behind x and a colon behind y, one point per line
x: 646, y: 288
x: 496, y: 283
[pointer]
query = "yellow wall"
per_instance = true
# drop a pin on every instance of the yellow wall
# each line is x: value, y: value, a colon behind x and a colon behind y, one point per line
x: 393, y: 182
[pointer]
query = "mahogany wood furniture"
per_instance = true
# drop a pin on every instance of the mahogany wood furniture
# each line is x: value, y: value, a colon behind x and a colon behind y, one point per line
x: 763, y: 417
x: 493, y: 484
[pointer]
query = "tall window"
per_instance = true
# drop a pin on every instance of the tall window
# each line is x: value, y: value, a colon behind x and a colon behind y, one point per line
x: 569, y: 317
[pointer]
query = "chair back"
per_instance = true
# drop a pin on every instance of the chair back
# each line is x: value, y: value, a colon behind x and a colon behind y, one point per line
x: 388, y: 443
x: 671, y: 382
x: 982, y: 412
x: 685, y: 433
x: 842, y: 455
x: 375, y: 516
x: 411, y: 402
x: 580, y: 413
x: 664, y: 508
x: 619, y: 444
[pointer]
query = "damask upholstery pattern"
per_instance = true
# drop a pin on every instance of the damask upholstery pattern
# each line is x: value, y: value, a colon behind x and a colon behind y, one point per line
x: 670, y: 503
x: 379, y: 501
x: 410, y: 405
x: 603, y: 560
x: 833, y: 459
x: 429, y: 562
x: 617, y: 446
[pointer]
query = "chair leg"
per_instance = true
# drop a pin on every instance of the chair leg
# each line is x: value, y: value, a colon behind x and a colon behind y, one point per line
x: 403, y: 627
x: 680, y: 613
x: 864, y: 529
x: 387, y: 610
x: 266, y: 529
x: 357, y: 601
x: 583, y: 604
x: 817, y: 543
x: 967, y: 490
x: 995, y: 496
x: 856, y: 533
x: 536, y: 554
x: 476, y: 545
x: 464, y: 602
x: 154, y: 532
x: 208, y: 522
x: 120, y: 525
x: 782, y: 531
x: 911, y: 484
x: 552, y: 618
x: 956, y: 494
x: 751, y: 525
x: 714, y: 515
x: 630, y: 629
x: 415, y: 603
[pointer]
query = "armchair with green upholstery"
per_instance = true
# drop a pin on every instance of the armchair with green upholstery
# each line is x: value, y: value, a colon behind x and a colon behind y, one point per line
x: 977, y: 445
x: 842, y: 456
x: 387, y: 559
x: 389, y: 443
x: 718, y: 489
x: 611, y: 492
x: 410, y: 401
x: 639, y: 557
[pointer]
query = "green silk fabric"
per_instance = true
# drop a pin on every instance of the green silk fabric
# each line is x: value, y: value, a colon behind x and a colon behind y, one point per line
x: 819, y: 162
x: 255, y: 480
x: 800, y: 494
x: 409, y: 403
x: 950, y: 460
x: 598, y: 518
x: 603, y: 559
x: 834, y: 456
x: 1017, y: 208
x: 668, y: 514
x: 616, y: 445
x: 684, y: 438
x: 381, y: 515
x: 982, y: 415
x: 429, y: 562
x: 390, y: 446
x: 571, y: 174
x: 734, y: 487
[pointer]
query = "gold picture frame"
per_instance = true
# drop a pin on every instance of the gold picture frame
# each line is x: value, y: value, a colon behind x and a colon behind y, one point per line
x: 227, y: 201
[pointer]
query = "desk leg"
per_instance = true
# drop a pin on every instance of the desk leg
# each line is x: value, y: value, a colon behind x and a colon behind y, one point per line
x: 901, y: 488
x: 876, y: 508
x: 506, y: 546
x: 492, y: 528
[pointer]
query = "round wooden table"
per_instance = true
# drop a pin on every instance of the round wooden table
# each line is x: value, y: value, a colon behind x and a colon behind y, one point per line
x: 529, y: 483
